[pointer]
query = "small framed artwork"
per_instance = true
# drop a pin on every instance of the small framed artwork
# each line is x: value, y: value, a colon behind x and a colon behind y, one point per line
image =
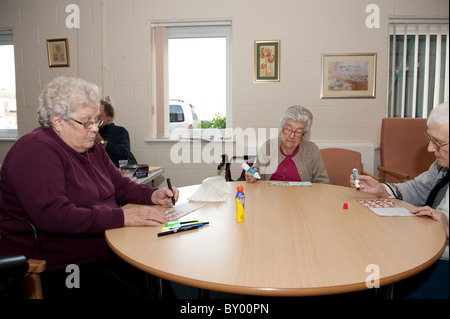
x: 58, y: 52
x: 267, y: 61
x: 348, y: 75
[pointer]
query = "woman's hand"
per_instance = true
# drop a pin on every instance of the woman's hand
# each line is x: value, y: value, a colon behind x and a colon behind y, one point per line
x: 435, y: 214
x: 369, y: 185
x: 249, y: 176
x: 163, y: 196
x: 143, y: 216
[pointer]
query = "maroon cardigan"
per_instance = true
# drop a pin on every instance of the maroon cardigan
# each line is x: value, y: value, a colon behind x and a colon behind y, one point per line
x: 71, y: 199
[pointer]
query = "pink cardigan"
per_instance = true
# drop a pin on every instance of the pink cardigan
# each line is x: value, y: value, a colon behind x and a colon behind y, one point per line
x: 71, y: 198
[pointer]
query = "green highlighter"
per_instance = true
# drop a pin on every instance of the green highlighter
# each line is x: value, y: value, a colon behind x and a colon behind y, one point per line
x: 169, y: 224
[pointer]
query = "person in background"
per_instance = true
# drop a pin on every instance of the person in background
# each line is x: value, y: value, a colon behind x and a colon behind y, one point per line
x: 115, y: 139
x: 64, y: 183
x: 429, y: 192
x: 289, y: 157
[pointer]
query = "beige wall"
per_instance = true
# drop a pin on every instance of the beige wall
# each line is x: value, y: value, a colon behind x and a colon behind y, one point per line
x: 112, y: 49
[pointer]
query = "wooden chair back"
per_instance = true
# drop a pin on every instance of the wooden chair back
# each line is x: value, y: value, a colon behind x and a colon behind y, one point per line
x: 403, y: 149
x: 340, y: 163
x: 31, y: 282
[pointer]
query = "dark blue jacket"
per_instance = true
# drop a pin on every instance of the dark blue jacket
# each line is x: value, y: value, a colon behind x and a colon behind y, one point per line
x: 118, y: 147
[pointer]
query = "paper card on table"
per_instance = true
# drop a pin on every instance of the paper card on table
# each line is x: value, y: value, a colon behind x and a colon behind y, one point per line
x: 283, y: 183
x: 385, y: 207
x: 181, y: 210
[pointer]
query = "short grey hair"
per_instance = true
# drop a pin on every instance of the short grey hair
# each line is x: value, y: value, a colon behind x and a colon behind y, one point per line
x: 438, y: 116
x: 63, y: 96
x: 298, y: 114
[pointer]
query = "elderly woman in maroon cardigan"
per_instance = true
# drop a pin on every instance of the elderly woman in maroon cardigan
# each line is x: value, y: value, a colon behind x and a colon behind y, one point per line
x: 65, y: 184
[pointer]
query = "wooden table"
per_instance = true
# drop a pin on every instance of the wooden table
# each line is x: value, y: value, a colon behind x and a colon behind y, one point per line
x: 295, y: 241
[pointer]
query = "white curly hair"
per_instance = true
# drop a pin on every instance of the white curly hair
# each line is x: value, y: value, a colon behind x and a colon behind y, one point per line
x: 299, y: 114
x: 63, y: 96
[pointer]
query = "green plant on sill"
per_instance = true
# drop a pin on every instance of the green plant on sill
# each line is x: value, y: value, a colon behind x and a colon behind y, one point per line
x: 218, y: 121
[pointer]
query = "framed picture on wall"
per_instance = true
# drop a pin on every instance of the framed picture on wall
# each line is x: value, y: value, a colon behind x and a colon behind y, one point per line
x: 267, y: 61
x: 348, y: 75
x: 58, y: 52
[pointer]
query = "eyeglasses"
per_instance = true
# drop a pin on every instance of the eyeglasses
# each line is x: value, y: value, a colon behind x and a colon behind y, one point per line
x: 297, y: 133
x: 437, y: 146
x: 87, y: 125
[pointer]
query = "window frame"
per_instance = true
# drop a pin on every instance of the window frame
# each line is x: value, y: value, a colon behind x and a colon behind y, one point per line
x: 159, y: 59
x: 6, y: 38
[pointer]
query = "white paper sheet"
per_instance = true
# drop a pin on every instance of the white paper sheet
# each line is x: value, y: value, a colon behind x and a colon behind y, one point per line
x: 283, y: 183
x: 385, y: 207
x: 181, y: 210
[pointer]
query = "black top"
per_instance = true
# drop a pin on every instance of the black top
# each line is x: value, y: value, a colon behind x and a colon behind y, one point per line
x: 118, y: 147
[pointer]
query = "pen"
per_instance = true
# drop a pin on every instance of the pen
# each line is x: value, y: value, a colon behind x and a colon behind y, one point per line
x: 357, y: 185
x: 169, y: 184
x: 174, y: 231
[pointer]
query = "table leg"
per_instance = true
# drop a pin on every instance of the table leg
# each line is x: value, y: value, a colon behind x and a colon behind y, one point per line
x: 203, y: 294
x: 385, y: 292
x: 154, y: 287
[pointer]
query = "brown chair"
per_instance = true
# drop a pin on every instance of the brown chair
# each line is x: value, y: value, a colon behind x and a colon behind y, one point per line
x: 403, y: 149
x: 340, y: 163
x: 31, y: 282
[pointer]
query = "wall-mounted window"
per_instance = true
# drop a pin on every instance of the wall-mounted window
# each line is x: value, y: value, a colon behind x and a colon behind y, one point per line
x: 8, y: 104
x: 418, y: 66
x: 191, y: 74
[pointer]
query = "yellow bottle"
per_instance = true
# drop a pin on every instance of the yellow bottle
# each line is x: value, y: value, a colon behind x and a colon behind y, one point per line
x: 240, y: 203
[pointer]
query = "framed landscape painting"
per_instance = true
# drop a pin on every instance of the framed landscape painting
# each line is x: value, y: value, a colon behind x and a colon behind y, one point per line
x: 348, y: 75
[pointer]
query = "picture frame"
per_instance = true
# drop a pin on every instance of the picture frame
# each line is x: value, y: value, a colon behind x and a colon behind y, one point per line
x: 348, y: 75
x: 58, y: 52
x: 267, y: 61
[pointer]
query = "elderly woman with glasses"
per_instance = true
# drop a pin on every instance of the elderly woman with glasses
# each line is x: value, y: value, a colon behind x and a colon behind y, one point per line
x: 429, y: 192
x: 65, y: 184
x: 290, y: 157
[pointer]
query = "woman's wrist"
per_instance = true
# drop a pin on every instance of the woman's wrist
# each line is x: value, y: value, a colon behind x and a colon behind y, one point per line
x: 383, y: 191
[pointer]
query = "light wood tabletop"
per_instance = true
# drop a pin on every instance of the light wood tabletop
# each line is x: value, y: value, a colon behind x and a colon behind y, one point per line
x: 295, y: 241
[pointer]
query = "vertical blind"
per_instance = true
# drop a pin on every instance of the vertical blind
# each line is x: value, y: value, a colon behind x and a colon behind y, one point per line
x: 418, y: 66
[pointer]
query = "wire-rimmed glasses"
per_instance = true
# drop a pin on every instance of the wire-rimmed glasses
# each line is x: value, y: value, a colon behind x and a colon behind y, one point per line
x: 87, y: 125
x: 437, y: 146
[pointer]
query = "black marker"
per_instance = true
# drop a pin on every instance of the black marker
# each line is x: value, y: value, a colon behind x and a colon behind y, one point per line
x: 170, y: 187
x: 174, y: 231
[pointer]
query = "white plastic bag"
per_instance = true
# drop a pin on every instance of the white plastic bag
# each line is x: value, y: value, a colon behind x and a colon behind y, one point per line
x: 213, y: 189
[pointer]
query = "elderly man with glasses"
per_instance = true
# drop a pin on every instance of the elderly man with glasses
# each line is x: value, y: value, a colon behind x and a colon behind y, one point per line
x: 429, y: 192
x: 64, y: 183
